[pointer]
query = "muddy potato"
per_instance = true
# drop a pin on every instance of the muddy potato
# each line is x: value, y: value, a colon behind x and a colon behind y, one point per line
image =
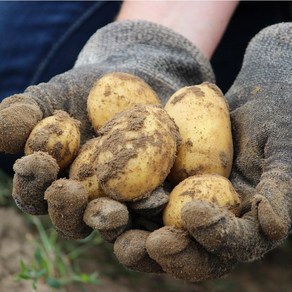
x: 202, y: 116
x: 82, y: 169
x: 116, y: 92
x: 137, y: 150
x: 57, y: 135
x: 209, y: 187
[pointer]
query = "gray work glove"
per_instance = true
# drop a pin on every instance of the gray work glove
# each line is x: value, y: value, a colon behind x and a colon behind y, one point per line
x: 260, y: 102
x: 162, y: 58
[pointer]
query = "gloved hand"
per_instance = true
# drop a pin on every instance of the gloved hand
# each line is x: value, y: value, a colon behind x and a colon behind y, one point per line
x: 163, y: 59
x: 260, y: 103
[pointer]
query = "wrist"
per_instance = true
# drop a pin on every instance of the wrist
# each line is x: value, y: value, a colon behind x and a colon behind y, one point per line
x: 202, y: 22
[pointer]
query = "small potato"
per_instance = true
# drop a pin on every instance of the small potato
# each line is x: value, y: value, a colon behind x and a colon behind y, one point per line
x: 209, y: 187
x: 57, y: 135
x: 116, y: 92
x: 82, y: 169
x: 137, y: 150
x: 202, y: 116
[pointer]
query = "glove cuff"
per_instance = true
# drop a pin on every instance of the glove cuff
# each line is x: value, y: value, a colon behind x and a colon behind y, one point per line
x: 166, y: 60
x: 267, y: 61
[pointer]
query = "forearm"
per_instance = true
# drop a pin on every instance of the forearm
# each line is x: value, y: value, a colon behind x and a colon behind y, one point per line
x: 202, y: 22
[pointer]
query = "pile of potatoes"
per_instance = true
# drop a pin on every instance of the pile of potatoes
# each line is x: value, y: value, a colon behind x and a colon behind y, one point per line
x: 140, y: 149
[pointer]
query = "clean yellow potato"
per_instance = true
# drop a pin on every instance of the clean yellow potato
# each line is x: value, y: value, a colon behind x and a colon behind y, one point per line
x: 202, y: 116
x: 136, y: 152
x: 114, y: 93
x: 58, y: 135
x: 82, y: 169
x: 207, y: 187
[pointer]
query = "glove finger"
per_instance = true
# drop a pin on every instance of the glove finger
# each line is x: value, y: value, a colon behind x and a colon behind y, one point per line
x: 152, y: 205
x: 130, y: 250
x: 18, y: 116
x: 273, y: 200
x: 67, y: 200
x: 263, y: 164
x: 109, y: 217
x: 183, y: 258
x: 273, y: 204
x: 33, y: 175
x: 224, y: 234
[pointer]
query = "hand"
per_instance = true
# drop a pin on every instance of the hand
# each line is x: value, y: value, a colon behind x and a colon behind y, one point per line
x: 171, y: 62
x: 260, y: 102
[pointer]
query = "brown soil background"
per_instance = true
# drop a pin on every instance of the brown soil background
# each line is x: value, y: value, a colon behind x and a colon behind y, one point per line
x: 272, y: 273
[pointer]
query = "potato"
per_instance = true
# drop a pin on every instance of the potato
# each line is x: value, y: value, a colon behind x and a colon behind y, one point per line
x: 57, y: 135
x: 202, y: 116
x: 209, y: 187
x: 82, y: 169
x: 116, y: 92
x: 137, y: 150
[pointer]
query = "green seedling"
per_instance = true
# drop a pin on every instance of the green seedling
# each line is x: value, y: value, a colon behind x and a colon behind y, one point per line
x: 56, y: 263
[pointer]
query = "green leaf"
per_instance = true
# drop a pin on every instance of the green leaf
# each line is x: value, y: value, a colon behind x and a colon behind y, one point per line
x: 85, y: 278
x: 23, y: 276
x: 22, y: 265
x: 40, y: 273
x: 53, y: 283
x: 38, y: 256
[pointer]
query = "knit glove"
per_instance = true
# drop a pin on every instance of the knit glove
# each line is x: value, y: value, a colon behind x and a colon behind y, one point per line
x: 260, y: 102
x: 162, y: 58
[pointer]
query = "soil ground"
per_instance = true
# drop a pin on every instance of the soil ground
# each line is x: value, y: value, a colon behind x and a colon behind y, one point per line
x: 272, y: 273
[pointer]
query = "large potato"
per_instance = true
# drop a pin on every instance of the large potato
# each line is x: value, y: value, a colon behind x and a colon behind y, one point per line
x: 137, y: 150
x: 82, y: 169
x: 208, y: 187
x: 114, y: 93
x: 202, y: 116
x: 58, y: 135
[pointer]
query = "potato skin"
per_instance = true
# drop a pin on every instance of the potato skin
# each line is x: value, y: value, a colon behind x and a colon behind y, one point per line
x: 137, y: 150
x: 208, y: 187
x: 82, y: 169
x: 58, y: 135
x: 114, y: 93
x: 202, y: 116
